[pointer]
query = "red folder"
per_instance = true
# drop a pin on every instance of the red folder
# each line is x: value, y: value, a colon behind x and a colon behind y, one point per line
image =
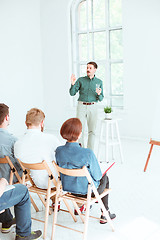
x: 108, y: 169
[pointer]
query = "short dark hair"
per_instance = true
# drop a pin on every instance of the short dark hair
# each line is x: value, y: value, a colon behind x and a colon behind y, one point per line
x: 4, y: 111
x: 94, y: 64
x: 71, y: 129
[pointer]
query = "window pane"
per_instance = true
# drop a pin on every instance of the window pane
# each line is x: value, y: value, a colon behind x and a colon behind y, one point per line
x: 82, y: 16
x: 83, y: 70
x: 115, y: 17
x: 98, y: 14
x: 83, y: 47
x: 90, y: 46
x: 116, y: 44
x: 90, y: 19
x: 101, y: 74
x: 100, y: 45
x: 116, y: 78
x: 117, y: 101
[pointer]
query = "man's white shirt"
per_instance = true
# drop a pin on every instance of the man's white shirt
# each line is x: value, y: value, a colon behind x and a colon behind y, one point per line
x: 34, y: 147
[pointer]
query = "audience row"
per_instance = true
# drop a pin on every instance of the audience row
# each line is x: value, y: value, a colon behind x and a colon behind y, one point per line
x: 34, y: 147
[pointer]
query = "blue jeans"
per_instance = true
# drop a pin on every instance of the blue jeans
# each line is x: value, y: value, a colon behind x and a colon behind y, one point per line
x: 20, y: 199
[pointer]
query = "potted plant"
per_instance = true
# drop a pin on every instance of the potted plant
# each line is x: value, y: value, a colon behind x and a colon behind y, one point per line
x: 108, y: 111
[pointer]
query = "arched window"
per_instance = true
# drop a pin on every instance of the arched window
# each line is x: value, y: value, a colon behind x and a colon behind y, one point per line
x: 97, y: 36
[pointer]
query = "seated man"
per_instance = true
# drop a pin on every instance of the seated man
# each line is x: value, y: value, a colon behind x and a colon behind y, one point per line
x: 36, y: 146
x: 18, y: 197
x: 7, y: 141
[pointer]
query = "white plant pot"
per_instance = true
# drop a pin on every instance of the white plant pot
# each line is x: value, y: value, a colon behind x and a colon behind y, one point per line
x: 108, y: 115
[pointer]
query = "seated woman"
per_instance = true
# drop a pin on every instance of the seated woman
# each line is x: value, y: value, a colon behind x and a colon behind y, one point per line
x: 73, y: 156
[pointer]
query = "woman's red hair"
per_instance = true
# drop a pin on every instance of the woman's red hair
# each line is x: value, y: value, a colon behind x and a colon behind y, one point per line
x: 71, y: 129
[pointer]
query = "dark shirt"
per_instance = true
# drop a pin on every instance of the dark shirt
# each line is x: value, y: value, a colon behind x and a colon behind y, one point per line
x: 72, y: 156
x: 87, y: 89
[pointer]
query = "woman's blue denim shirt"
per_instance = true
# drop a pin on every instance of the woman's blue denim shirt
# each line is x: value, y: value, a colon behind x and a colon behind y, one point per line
x: 72, y: 156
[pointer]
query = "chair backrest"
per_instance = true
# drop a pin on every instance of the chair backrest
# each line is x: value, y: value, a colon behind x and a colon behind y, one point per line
x: 82, y: 172
x: 38, y: 166
x: 3, y: 160
x: 7, y: 160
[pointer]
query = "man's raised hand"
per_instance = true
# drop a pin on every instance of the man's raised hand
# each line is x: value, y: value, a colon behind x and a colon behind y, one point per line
x: 73, y: 79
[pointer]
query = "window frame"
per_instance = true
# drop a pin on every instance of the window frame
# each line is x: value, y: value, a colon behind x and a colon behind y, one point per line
x: 76, y: 63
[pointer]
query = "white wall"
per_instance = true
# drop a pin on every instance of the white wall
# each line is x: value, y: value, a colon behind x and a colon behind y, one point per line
x: 21, y: 84
x: 142, y: 76
x: 56, y: 61
x: 35, y: 60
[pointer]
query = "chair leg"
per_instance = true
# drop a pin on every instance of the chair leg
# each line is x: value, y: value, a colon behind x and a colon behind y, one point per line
x: 47, y: 208
x: 87, y: 212
x: 34, y: 205
x: 148, y: 157
x: 56, y: 209
x: 44, y: 203
x: 79, y: 212
x: 46, y: 218
x: 105, y: 212
x: 55, y: 218
x: 70, y: 210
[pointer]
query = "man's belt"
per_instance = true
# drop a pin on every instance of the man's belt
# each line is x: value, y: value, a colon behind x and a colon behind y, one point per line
x: 88, y: 103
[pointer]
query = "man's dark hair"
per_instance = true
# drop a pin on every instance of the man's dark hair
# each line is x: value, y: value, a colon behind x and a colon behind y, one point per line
x: 94, y: 64
x: 4, y: 111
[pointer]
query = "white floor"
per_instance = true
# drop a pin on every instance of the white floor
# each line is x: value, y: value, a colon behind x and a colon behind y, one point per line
x: 135, y: 198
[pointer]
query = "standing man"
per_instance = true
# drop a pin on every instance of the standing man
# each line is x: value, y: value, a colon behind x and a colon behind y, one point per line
x: 7, y: 141
x: 90, y: 92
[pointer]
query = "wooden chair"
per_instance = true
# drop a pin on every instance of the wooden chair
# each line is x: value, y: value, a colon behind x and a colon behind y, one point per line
x: 28, y: 181
x: 153, y: 143
x: 6, y: 160
x: 47, y: 193
x: 74, y: 199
